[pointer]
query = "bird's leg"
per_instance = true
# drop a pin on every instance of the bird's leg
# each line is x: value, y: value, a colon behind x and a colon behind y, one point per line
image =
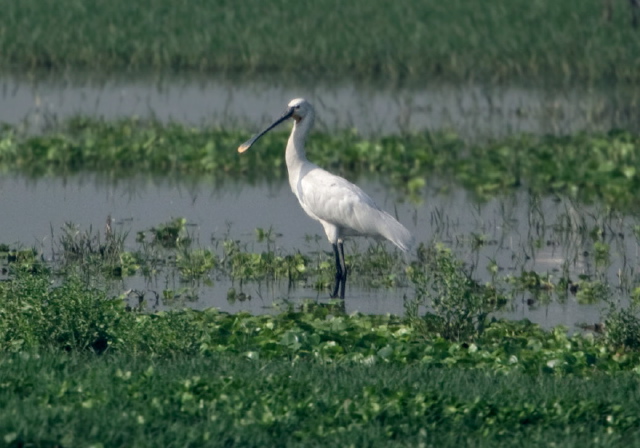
x: 343, y: 267
x: 334, y: 294
x: 341, y: 270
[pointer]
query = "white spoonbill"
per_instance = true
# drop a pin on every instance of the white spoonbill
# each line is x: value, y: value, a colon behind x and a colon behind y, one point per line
x: 342, y: 208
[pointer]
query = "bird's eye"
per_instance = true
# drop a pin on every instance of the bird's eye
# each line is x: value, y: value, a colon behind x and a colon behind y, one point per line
x: 296, y: 107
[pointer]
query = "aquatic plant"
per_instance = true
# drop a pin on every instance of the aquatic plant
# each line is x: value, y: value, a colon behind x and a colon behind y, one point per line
x: 171, y: 235
x: 622, y: 327
x: 36, y: 314
x: 458, y: 306
x: 195, y: 263
x: 597, y: 167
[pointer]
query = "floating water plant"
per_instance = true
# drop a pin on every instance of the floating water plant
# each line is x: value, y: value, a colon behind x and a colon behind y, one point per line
x: 589, y: 168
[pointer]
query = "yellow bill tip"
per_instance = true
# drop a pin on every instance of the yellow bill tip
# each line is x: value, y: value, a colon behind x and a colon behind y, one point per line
x: 242, y: 148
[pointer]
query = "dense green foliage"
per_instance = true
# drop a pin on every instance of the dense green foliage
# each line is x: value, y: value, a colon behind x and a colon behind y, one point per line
x: 502, y: 39
x: 600, y: 167
x: 219, y: 400
x: 70, y: 355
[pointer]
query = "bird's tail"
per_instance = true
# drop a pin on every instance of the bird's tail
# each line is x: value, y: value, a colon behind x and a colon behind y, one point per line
x: 395, y: 232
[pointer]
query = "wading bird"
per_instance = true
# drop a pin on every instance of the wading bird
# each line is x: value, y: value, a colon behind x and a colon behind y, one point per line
x: 342, y: 208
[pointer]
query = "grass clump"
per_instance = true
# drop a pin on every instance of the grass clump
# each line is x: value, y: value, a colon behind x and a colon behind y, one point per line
x: 623, y: 327
x: 68, y: 317
x: 459, y: 306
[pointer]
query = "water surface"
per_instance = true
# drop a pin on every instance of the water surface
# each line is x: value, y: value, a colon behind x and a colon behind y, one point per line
x: 520, y: 233
x: 472, y: 110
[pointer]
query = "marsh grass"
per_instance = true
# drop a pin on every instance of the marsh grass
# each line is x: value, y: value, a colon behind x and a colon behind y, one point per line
x: 177, y: 270
x: 170, y: 250
x: 506, y: 39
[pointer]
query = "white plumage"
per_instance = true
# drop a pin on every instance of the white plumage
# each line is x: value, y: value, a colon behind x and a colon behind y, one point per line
x: 342, y: 208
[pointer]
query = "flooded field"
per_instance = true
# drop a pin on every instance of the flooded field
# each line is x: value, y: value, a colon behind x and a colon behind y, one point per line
x: 505, y: 237
x: 511, y: 239
x: 152, y: 273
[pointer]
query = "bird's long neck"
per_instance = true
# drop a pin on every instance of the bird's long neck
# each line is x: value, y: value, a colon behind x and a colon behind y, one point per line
x: 295, y: 154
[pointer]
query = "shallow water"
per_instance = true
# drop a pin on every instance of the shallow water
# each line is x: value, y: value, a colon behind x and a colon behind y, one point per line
x: 520, y: 233
x: 472, y: 110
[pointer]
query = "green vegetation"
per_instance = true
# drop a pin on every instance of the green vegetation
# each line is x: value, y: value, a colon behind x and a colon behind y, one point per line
x: 460, y: 301
x: 221, y: 400
x: 461, y: 305
x: 445, y: 374
x: 73, y: 316
x: 83, y: 360
x: 456, y: 40
x: 597, y: 167
x: 70, y: 355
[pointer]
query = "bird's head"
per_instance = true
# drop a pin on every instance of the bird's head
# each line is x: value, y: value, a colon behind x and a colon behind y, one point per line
x: 297, y: 109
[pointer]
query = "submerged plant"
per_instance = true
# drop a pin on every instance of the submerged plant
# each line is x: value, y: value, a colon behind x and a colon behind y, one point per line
x: 171, y: 234
x: 588, y: 292
x: 194, y: 264
x: 91, y: 251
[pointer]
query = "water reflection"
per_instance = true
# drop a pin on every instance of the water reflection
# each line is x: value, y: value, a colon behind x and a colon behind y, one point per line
x: 507, y: 235
x: 471, y: 110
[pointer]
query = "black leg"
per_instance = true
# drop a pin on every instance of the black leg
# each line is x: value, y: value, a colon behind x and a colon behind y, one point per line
x: 334, y: 294
x: 343, y: 267
x: 341, y: 271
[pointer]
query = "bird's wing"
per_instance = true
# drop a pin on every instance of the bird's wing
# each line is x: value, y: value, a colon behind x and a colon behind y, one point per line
x: 337, y: 201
